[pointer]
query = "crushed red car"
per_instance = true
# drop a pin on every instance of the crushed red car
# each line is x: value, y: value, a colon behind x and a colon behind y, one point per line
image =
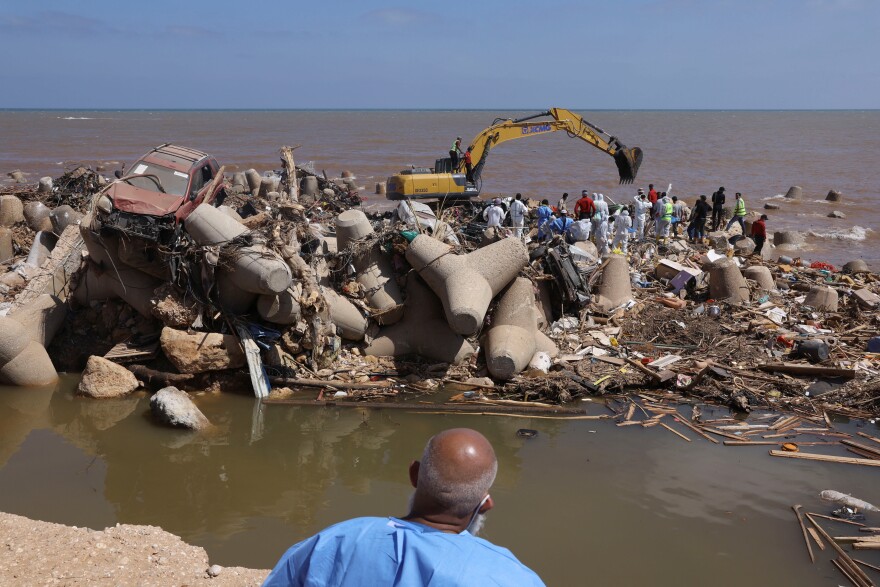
x: 159, y: 191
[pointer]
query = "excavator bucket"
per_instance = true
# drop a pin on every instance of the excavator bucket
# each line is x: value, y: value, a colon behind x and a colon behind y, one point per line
x: 628, y: 163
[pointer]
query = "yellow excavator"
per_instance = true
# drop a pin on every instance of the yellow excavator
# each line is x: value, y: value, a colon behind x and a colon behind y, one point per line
x: 445, y: 182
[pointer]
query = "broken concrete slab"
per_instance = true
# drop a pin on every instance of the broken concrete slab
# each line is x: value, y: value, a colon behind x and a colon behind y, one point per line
x: 423, y: 330
x: 174, y: 407
x: 466, y: 284
x: 866, y: 298
x: 106, y: 379
x: 200, y: 352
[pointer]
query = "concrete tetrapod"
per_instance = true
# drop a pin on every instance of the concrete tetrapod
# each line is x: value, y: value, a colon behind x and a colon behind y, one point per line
x: 726, y: 282
x: 511, y: 342
x: 466, y: 284
x: 42, y: 318
x: 822, y: 297
x: 422, y: 331
x: 374, y: 270
x: 614, y: 287
x: 23, y: 361
x: 254, y: 268
x: 760, y: 275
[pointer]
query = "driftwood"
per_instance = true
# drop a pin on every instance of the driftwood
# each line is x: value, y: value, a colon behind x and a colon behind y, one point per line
x: 824, y: 458
x: 297, y: 382
x: 158, y: 379
x: 418, y: 407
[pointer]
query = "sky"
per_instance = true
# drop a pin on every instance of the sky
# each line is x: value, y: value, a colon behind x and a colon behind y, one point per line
x: 509, y: 54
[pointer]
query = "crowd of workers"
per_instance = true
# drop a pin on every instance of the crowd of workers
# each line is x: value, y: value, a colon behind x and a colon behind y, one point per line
x: 611, y: 228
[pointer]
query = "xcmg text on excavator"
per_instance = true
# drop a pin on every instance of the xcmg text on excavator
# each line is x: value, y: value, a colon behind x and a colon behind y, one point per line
x: 444, y: 182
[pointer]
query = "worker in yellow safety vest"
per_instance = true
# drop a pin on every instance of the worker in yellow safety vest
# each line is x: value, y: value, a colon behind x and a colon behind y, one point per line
x: 666, y: 218
x: 739, y: 214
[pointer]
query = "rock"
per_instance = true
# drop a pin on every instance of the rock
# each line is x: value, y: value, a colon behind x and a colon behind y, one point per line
x: 718, y: 241
x: 214, y: 570
x: 62, y: 217
x: 329, y: 193
x: 769, y: 206
x: 794, y: 192
x: 836, y: 214
x: 822, y: 297
x: 36, y: 214
x: 855, y: 267
x: 788, y: 237
x: 201, y: 351
x: 103, y: 379
x: 45, y: 186
x: 173, y: 407
x: 834, y: 196
x: 11, y: 210
x: 172, y: 309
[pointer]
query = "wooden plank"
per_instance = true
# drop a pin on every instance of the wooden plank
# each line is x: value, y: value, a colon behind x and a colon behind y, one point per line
x: 796, y: 369
x: 864, y: 447
x: 864, y: 564
x: 847, y: 573
x: 771, y: 443
x: 674, y: 431
x: 863, y: 453
x: 824, y: 458
x: 869, y: 437
x: 867, y: 545
x: 460, y: 408
x: 720, y: 433
x: 815, y: 535
x: 797, y: 512
x: 684, y: 421
x: 259, y: 382
x: 841, y: 520
x: 858, y: 572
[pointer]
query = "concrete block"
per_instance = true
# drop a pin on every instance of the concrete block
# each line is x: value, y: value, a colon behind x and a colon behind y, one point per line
x: 267, y: 185
x: 788, y: 238
x: 45, y: 185
x: 381, y: 188
x: 283, y: 308
x: 309, y: 185
x: 743, y: 246
x: 42, y: 318
x: 422, y: 331
x: 822, y: 297
x: 345, y: 315
x: 7, y: 251
x: 718, y: 241
x: 239, y: 180
x: 11, y: 210
x: 614, y: 287
x: 41, y: 248
x: 253, y: 179
x: 230, y: 297
x: 866, y: 298
x: 466, y: 284
x: 794, y: 192
x: 62, y: 217
x: 511, y: 341
x: 230, y: 212
x: 253, y: 268
x: 836, y: 214
x: 36, y: 214
x: 760, y: 275
x: 23, y: 361
x: 374, y: 270
x: 726, y: 282
x: 834, y: 196
x: 855, y: 267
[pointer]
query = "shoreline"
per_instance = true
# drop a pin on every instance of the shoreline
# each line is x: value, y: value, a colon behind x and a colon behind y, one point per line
x: 37, y: 552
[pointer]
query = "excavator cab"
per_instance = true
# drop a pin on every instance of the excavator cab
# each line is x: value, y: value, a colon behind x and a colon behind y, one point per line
x: 628, y: 162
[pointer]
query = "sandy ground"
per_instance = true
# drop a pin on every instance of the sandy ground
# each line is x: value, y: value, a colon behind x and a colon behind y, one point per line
x: 41, y: 553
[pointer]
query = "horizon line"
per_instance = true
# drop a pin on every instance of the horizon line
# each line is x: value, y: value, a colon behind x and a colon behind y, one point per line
x: 431, y: 109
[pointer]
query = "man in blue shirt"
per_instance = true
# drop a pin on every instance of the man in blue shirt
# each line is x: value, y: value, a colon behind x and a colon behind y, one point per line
x: 434, y: 545
x: 545, y: 213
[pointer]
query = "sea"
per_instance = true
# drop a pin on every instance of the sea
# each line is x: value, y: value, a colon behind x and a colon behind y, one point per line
x: 758, y: 153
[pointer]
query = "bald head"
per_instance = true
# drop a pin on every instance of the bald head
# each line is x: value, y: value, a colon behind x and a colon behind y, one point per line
x: 457, y: 469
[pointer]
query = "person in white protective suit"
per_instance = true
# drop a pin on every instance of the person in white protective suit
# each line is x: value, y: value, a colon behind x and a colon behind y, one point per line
x: 621, y: 230
x: 600, y: 233
x: 600, y: 216
x: 642, y: 209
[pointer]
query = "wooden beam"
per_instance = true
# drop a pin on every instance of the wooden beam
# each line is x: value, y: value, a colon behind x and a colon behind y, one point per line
x: 796, y: 369
x: 824, y: 458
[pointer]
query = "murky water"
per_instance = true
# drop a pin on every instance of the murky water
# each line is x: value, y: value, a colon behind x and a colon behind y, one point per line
x: 584, y: 502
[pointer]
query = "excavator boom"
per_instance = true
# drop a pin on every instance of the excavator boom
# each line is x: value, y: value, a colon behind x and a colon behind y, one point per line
x: 441, y: 183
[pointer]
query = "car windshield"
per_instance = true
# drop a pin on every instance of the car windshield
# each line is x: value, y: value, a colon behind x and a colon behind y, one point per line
x: 173, y: 182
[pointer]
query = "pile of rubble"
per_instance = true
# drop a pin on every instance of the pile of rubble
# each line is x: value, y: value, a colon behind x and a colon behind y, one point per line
x: 284, y: 279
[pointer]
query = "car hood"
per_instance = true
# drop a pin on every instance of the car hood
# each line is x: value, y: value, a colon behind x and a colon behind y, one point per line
x: 135, y: 200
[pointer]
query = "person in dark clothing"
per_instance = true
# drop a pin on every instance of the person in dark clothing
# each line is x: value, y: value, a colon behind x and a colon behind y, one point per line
x: 717, y: 207
x: 455, y: 153
x: 759, y: 233
x: 697, y: 226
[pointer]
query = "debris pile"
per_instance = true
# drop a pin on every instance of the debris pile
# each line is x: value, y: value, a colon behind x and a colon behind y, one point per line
x: 285, y: 276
